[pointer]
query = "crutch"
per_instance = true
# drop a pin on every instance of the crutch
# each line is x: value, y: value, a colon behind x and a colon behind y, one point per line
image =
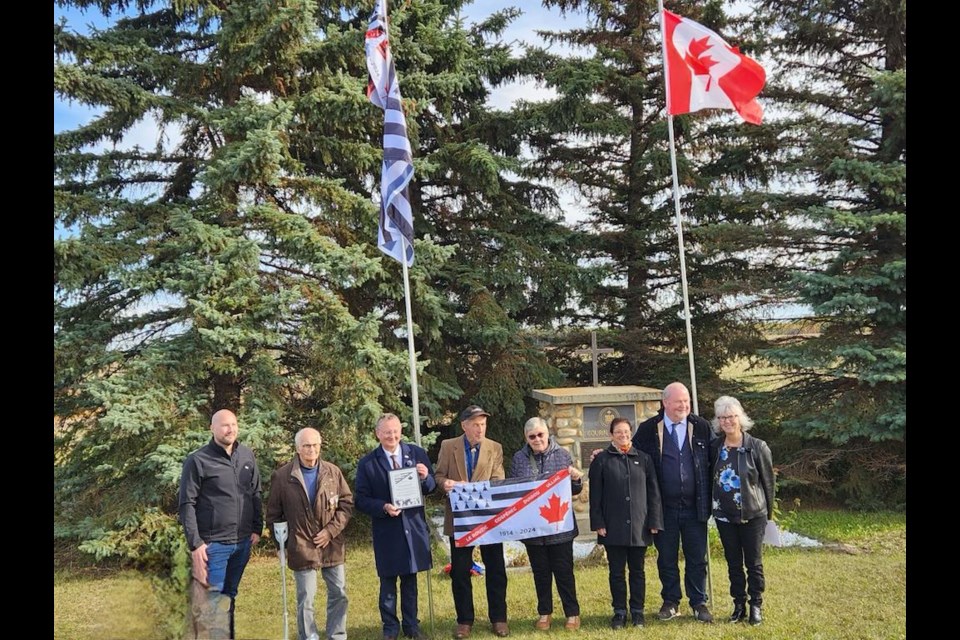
x: 280, y: 534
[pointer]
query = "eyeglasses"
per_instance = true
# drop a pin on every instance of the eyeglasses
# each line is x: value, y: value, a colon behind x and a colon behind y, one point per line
x: 728, y: 418
x: 534, y: 436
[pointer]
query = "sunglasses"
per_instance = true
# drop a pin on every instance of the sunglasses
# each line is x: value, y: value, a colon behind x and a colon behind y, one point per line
x: 534, y: 436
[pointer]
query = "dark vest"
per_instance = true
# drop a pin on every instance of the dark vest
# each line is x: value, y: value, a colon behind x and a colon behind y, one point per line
x: 678, y: 490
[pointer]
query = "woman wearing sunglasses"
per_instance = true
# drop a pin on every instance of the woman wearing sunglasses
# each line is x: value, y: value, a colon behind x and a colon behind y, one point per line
x: 551, y: 557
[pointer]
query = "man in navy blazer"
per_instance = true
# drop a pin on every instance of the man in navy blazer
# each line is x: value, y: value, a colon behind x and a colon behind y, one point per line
x: 401, y: 537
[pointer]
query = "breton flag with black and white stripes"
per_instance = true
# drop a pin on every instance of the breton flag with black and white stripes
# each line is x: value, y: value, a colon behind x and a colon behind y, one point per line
x: 383, y: 89
x: 516, y: 509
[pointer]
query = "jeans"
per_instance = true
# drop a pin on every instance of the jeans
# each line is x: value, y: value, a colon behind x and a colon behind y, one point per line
x: 495, y: 579
x: 742, y: 547
x: 336, y: 581
x: 618, y: 557
x: 681, y: 526
x: 408, y: 604
x: 554, y: 562
x: 213, y: 618
x: 225, y: 565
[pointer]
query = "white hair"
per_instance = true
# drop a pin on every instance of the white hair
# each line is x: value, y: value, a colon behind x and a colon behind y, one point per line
x: 535, y: 423
x: 299, y: 436
x: 724, y: 403
x: 385, y: 417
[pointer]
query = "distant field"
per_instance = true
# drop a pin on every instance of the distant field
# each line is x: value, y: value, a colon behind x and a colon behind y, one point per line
x: 760, y: 375
x: 756, y: 375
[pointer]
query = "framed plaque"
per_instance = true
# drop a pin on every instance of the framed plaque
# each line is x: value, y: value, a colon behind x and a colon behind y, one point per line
x: 597, y: 419
x: 405, y: 488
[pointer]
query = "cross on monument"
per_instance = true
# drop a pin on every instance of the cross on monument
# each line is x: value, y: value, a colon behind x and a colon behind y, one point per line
x: 593, y: 351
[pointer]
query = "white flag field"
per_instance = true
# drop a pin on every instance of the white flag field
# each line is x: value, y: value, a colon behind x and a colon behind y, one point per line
x: 495, y: 511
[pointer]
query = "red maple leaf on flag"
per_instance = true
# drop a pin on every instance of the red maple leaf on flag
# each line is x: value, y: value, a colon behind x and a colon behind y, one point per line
x: 555, y: 511
x: 700, y: 64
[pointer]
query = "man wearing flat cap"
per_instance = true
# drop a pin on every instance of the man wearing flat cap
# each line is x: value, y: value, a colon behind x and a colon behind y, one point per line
x: 473, y: 458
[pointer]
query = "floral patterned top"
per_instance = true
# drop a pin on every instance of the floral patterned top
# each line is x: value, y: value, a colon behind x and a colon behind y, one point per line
x: 726, y: 486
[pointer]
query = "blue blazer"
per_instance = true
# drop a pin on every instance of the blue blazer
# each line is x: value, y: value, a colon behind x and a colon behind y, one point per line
x: 401, y: 545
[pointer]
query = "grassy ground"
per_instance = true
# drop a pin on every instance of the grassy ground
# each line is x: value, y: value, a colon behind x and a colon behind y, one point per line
x: 811, y: 593
x: 119, y: 604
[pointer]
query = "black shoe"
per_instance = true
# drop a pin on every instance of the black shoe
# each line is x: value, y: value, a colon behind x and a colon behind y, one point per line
x: 755, y: 617
x: 637, y: 619
x: 618, y: 621
x: 668, y: 611
x: 739, y: 612
x: 702, y: 614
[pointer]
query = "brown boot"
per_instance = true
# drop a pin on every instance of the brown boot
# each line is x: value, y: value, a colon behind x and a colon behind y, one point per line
x: 462, y: 631
x: 543, y: 623
x: 572, y: 624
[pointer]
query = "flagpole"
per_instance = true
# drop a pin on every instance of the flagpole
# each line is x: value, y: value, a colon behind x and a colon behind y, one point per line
x: 676, y: 206
x: 410, y: 349
x: 683, y: 262
x: 683, y: 266
x: 414, y: 393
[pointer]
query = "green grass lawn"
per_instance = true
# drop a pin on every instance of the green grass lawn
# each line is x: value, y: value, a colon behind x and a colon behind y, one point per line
x: 811, y: 593
x: 105, y: 606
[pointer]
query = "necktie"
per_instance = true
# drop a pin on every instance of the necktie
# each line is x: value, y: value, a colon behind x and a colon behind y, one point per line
x: 393, y: 459
x: 472, y: 461
x: 678, y: 435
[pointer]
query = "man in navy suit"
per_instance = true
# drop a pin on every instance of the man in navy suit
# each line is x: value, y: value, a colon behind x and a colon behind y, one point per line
x: 401, y: 537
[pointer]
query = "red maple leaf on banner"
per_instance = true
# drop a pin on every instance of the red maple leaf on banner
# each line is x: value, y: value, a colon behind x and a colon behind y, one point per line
x: 700, y: 64
x: 555, y: 511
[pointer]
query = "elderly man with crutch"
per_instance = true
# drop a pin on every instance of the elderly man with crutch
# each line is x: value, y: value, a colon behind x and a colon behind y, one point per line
x: 313, y: 497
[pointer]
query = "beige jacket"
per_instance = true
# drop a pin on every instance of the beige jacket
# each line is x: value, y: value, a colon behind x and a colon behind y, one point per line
x: 452, y: 465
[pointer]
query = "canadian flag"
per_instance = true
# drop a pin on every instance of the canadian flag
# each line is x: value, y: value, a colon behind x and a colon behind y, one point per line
x: 704, y: 72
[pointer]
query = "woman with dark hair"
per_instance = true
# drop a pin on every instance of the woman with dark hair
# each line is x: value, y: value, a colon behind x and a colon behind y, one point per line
x: 742, y: 471
x: 551, y: 556
x: 625, y: 511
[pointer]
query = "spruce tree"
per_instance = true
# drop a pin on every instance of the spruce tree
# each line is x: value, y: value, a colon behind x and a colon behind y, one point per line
x: 844, y: 63
x: 843, y: 80
x: 213, y: 270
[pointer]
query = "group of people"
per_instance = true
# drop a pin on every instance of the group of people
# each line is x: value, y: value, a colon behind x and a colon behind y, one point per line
x: 659, y: 484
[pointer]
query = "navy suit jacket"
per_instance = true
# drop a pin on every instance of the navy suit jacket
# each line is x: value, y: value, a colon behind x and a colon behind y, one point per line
x: 401, y: 544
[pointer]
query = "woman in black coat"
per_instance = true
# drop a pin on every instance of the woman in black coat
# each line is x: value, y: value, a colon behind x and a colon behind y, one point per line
x: 743, y: 493
x: 626, y: 512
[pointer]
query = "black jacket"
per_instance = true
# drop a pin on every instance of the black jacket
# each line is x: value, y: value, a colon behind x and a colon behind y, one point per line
x: 624, y: 498
x: 649, y: 439
x: 220, y: 495
x: 755, y: 466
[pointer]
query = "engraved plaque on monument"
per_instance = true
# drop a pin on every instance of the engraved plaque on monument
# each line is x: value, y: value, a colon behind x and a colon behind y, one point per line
x: 596, y: 427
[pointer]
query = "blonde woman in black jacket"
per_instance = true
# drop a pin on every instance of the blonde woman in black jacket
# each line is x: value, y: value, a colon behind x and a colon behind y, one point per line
x: 743, y: 493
